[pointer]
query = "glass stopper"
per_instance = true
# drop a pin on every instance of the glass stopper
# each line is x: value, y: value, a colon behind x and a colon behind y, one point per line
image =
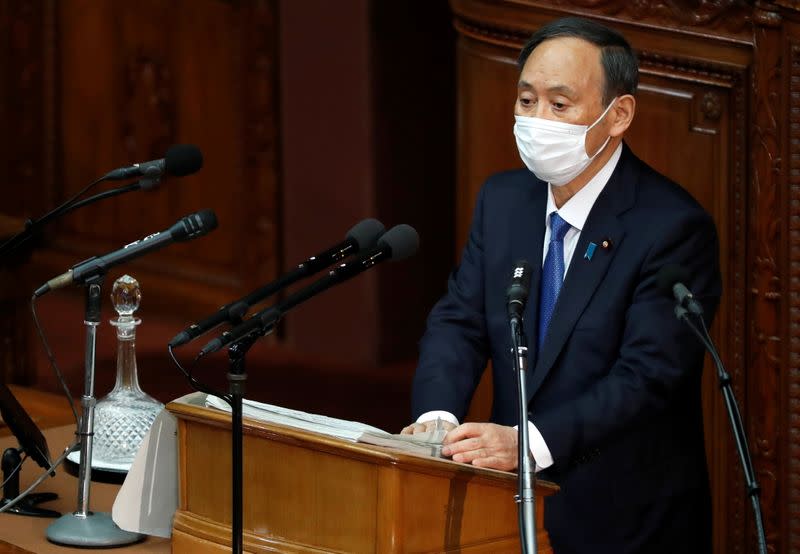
x: 126, y: 295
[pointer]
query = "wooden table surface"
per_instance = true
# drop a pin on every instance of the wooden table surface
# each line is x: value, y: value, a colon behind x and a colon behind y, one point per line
x: 22, y: 534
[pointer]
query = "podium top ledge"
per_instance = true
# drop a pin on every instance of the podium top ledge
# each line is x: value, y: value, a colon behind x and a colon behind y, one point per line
x: 193, y: 414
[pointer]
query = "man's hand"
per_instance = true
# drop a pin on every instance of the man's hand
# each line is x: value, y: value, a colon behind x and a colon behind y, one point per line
x: 483, y: 445
x: 415, y: 428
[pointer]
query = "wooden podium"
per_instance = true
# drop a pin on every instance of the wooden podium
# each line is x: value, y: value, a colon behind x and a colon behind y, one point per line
x: 305, y: 492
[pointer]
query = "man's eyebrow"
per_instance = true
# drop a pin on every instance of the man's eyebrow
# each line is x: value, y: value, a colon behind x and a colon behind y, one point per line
x: 559, y: 89
x: 562, y: 89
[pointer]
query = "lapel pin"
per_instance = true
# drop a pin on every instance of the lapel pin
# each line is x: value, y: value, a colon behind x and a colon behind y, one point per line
x: 590, y: 251
x: 606, y: 244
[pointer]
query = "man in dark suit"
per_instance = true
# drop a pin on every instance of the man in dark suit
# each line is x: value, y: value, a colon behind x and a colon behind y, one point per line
x: 614, y: 388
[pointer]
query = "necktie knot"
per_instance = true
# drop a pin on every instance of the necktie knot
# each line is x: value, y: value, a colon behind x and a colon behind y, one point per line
x: 558, y: 227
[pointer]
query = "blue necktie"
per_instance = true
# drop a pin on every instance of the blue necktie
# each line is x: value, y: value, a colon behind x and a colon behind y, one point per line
x: 552, y: 273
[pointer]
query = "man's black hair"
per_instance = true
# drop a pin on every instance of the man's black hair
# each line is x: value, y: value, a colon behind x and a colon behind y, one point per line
x: 620, y: 66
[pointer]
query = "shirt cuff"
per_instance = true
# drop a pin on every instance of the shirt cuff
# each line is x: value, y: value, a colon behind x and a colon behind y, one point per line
x: 539, y: 448
x: 445, y: 416
x: 541, y: 454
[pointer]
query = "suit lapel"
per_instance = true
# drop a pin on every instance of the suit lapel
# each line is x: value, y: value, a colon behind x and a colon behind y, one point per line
x: 585, y: 274
x: 527, y: 243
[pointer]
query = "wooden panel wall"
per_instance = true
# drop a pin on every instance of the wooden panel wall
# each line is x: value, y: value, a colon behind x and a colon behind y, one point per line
x: 718, y: 112
x: 209, y: 79
x: 311, y: 116
x: 89, y: 86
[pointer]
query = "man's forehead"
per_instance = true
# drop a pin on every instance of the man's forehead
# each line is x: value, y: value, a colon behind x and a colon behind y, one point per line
x: 563, y: 61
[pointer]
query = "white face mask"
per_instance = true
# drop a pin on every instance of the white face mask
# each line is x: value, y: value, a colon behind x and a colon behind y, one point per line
x: 554, y: 151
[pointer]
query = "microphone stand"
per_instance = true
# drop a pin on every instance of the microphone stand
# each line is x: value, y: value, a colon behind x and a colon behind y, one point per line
x: 526, y: 474
x: 84, y: 528
x: 237, y: 378
x: 735, y: 418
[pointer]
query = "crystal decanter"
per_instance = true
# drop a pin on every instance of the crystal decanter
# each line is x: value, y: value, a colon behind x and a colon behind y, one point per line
x: 123, y: 417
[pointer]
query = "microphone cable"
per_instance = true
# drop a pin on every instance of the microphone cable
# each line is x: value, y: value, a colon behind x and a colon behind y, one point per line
x: 44, y: 475
x: 196, y: 384
x: 52, y: 359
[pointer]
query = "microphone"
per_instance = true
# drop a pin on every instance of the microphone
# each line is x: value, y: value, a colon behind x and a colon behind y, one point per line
x: 179, y: 161
x: 364, y: 235
x: 670, y: 279
x: 398, y: 243
x: 517, y: 294
x: 187, y: 228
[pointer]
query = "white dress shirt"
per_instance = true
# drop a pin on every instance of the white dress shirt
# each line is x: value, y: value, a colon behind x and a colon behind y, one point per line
x: 575, y: 211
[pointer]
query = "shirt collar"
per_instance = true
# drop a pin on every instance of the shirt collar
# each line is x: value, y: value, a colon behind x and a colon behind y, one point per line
x: 575, y: 211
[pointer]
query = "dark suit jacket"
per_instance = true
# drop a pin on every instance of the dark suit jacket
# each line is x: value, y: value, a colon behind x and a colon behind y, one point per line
x: 615, y: 390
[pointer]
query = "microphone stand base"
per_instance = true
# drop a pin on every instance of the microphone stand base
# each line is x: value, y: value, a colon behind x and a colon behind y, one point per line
x: 96, y: 529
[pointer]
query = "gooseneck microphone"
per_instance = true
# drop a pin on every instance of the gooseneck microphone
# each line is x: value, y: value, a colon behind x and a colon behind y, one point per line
x: 398, y: 243
x: 179, y: 161
x: 187, y: 228
x: 517, y: 294
x: 363, y: 236
x: 671, y: 279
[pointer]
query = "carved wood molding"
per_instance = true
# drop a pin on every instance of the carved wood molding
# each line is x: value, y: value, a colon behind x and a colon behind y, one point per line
x: 765, y: 338
x: 792, y: 377
x: 499, y: 35
x: 733, y: 15
x: 690, y: 70
x: 736, y: 355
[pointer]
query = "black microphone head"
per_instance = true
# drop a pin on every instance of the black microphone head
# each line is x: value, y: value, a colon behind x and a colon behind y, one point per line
x: 520, y: 282
x: 194, y: 225
x: 669, y: 275
x: 402, y: 240
x: 182, y: 159
x: 366, y: 233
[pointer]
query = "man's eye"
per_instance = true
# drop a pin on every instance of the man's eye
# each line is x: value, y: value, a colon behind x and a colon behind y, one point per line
x: 558, y: 106
x: 526, y: 101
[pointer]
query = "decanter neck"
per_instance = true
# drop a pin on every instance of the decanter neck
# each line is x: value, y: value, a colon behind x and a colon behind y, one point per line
x: 127, y: 378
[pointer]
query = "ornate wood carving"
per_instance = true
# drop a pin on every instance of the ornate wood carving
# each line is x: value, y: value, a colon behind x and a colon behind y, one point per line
x: 730, y: 14
x: 767, y: 282
x: 736, y: 357
x: 792, y: 375
x: 710, y: 106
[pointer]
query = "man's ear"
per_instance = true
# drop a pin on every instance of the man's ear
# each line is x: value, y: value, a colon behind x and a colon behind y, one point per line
x: 622, y: 115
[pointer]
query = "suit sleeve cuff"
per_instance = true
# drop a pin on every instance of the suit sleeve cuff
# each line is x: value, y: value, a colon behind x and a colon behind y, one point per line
x: 445, y: 416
